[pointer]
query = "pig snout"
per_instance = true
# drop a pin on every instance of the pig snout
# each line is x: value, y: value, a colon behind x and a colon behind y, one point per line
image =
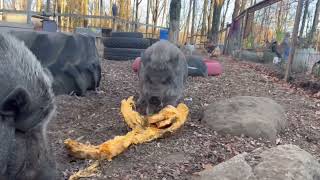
x: 154, y: 100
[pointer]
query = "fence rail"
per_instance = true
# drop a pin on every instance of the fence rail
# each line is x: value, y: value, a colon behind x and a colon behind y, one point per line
x: 105, y: 17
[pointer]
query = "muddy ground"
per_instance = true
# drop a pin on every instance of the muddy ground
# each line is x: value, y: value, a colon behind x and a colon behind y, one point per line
x: 96, y: 118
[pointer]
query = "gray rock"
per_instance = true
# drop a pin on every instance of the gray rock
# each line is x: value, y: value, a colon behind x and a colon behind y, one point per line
x: 285, y: 162
x: 252, y: 116
x: 234, y: 169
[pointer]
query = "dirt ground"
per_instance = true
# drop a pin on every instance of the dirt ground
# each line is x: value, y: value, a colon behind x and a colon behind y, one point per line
x: 96, y: 118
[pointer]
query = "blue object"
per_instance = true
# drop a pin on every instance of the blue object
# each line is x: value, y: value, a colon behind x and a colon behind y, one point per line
x: 164, y: 34
x: 49, y: 26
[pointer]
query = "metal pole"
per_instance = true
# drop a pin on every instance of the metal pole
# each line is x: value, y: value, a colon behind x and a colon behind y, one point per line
x: 29, y: 11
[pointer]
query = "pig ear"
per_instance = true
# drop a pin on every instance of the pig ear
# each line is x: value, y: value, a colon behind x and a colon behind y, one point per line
x: 15, y: 102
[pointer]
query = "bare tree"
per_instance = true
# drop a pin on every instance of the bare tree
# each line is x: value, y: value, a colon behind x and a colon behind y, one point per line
x: 224, y: 15
x: 204, y: 25
x: 264, y: 15
x: 186, y: 30
x: 216, y: 20
x: 304, y: 17
x: 279, y: 24
x: 294, y: 39
x: 315, y: 22
x: 236, y: 9
x: 156, y: 11
x: 243, y: 5
x: 193, y: 21
x: 136, y: 15
x: 210, y: 18
x: 147, y: 18
x: 175, y: 9
x: 164, y: 11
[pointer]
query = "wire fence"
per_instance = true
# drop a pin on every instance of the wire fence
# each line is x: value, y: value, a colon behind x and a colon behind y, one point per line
x: 68, y: 22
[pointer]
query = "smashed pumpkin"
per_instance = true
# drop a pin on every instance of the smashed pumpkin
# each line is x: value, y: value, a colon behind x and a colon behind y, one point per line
x: 144, y: 129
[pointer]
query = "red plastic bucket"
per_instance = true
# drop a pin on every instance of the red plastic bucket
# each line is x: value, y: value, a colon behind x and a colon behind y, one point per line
x: 214, y: 67
x: 136, y: 64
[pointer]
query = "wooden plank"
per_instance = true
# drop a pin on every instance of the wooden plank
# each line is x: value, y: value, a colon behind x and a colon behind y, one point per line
x: 81, y: 16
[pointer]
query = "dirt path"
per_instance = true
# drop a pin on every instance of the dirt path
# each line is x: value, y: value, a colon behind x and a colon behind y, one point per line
x: 95, y: 118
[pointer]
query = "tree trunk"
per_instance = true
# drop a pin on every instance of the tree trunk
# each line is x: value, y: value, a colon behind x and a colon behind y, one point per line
x: 224, y: 15
x: 193, y: 21
x: 236, y: 9
x: 147, y: 18
x: 304, y: 17
x: 29, y: 11
x: 186, y: 30
x: 315, y: 23
x: 174, y: 12
x: 216, y: 20
x: 294, y: 39
x: 243, y: 5
x: 279, y: 24
x: 210, y: 18
x: 164, y: 11
x: 155, y: 17
x: 204, y: 25
x: 136, y: 15
x: 48, y: 6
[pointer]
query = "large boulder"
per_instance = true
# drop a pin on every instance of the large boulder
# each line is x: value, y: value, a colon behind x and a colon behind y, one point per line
x: 251, y: 116
x: 285, y: 162
x: 72, y: 59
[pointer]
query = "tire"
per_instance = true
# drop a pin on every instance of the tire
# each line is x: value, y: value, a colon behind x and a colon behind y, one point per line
x: 152, y: 40
x: 125, y: 42
x: 196, y: 67
x: 122, y: 53
x: 127, y: 34
x: 72, y: 60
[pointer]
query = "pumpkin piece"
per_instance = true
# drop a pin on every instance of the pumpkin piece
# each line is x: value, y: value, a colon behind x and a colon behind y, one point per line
x: 170, y: 116
x: 87, y: 172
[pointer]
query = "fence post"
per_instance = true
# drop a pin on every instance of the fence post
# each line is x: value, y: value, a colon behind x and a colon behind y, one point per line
x: 29, y: 2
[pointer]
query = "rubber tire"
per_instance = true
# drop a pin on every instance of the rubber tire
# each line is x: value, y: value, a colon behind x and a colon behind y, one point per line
x: 152, y: 40
x: 127, y: 34
x: 125, y: 42
x: 196, y: 66
x: 122, y: 54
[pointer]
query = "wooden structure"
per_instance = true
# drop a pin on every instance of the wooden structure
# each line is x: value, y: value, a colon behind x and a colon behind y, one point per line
x: 242, y: 25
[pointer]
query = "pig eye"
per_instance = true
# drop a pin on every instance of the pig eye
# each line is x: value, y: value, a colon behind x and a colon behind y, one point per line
x: 148, y: 79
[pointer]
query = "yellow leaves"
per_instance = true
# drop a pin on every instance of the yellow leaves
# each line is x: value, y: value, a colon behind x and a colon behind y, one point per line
x: 168, y: 119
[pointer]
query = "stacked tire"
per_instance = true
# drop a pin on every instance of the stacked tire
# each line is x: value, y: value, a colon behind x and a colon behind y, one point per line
x: 121, y: 46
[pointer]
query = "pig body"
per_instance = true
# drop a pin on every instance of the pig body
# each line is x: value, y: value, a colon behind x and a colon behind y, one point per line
x: 26, y: 106
x: 162, y: 76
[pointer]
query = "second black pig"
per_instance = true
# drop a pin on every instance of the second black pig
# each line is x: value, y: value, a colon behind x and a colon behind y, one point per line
x: 162, y: 76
